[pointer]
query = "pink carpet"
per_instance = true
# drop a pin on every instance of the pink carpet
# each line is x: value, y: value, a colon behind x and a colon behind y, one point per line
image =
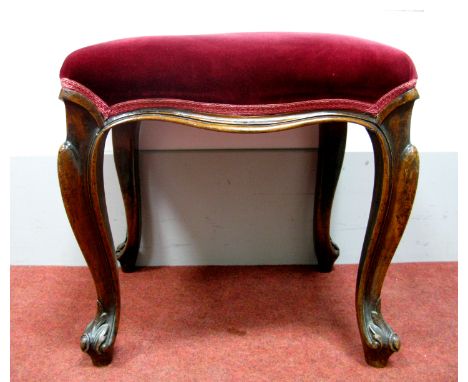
x: 272, y: 323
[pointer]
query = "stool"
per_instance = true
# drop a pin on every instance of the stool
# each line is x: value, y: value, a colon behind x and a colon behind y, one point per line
x: 238, y: 83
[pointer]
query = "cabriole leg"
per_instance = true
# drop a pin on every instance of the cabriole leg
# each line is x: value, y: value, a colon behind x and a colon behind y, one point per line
x: 80, y: 166
x: 125, y: 142
x: 396, y: 176
x: 332, y: 142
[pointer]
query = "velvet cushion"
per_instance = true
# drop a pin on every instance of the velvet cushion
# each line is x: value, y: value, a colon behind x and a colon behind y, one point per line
x: 241, y: 71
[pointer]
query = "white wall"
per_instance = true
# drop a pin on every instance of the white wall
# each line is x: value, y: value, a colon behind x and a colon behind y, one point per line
x: 233, y: 207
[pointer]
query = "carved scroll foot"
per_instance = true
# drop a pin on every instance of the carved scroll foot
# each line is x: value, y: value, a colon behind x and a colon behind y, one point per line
x: 381, y: 341
x: 329, y: 255
x: 332, y: 142
x: 99, y: 337
x: 127, y: 256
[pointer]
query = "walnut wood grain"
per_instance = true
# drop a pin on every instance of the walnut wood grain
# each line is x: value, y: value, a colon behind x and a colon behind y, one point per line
x: 332, y: 143
x: 80, y: 166
x: 396, y: 178
x: 125, y: 145
x: 80, y: 174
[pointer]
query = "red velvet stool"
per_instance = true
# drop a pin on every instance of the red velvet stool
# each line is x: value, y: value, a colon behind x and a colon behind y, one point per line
x: 238, y: 83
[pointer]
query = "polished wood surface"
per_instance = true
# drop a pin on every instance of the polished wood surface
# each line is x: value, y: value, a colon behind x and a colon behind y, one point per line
x: 396, y: 177
x: 125, y: 144
x: 80, y: 166
x: 332, y: 143
x: 80, y: 174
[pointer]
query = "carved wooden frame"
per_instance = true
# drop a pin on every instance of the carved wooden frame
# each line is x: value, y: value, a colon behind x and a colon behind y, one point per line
x: 80, y: 170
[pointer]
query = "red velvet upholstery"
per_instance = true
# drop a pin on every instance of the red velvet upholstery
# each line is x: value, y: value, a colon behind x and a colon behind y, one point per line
x: 246, y: 73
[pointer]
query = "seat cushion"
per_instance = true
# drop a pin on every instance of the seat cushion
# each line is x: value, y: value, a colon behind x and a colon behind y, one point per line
x: 245, y: 73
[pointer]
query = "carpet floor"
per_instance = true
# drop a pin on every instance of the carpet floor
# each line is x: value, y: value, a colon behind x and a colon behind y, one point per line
x: 268, y: 323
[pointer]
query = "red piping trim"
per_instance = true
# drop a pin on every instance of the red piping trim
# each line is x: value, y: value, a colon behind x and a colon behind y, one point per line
x: 103, y: 108
x: 219, y: 108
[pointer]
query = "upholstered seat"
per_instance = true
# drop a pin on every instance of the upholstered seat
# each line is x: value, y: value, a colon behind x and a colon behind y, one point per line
x: 246, y: 73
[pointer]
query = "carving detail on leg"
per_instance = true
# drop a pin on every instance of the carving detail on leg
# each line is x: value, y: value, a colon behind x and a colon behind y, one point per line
x: 99, y: 336
x: 381, y: 336
x: 121, y: 249
x: 332, y: 142
x: 396, y: 176
x: 125, y: 144
x: 80, y: 169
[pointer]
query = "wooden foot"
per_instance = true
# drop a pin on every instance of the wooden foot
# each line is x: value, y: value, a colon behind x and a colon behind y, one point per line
x: 80, y: 169
x: 125, y: 142
x: 332, y: 142
x: 396, y: 176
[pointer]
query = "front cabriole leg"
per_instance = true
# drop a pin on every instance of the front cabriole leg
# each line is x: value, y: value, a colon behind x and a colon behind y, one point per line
x: 80, y: 167
x: 396, y: 177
